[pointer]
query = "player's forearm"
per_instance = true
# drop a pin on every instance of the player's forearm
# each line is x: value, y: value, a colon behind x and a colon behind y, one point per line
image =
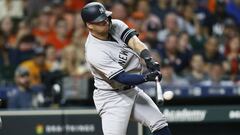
x: 137, y: 45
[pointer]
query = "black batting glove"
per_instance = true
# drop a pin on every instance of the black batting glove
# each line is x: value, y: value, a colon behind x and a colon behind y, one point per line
x: 152, y: 65
x: 151, y: 76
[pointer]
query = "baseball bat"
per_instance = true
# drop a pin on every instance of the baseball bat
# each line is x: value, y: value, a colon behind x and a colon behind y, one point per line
x: 0, y: 123
x: 159, y: 94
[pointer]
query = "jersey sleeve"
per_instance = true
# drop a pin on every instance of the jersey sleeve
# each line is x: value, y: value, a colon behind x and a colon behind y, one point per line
x: 107, y: 66
x: 123, y: 31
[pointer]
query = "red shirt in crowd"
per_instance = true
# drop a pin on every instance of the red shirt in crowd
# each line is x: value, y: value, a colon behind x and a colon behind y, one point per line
x: 59, y: 44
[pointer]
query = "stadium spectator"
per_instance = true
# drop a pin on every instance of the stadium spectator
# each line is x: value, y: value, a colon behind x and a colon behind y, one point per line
x: 7, y: 30
x: 107, y: 3
x: 169, y: 76
x: 197, y: 73
x: 80, y: 33
x: 22, y: 95
x: 14, y: 56
x: 232, y: 61
x: 42, y: 30
x: 224, y: 31
x: 204, y: 16
x: 74, y: 5
x: 217, y: 76
x: 141, y: 18
x: 23, y: 29
x: 219, y: 12
x: 59, y: 38
x: 51, y: 58
x: 229, y: 31
x: 138, y: 18
x: 25, y: 47
x: 170, y: 53
x: 120, y: 12
x: 36, y: 66
x: 151, y: 35
x: 4, y: 59
x: 161, y: 8
x: 78, y: 40
x: 58, y: 11
x: 198, y: 40
x: 6, y: 69
x: 220, y: 15
x: 211, y: 52
x: 143, y: 6
x: 187, y: 21
x: 171, y: 27
x: 11, y: 57
x: 184, y: 44
x: 184, y: 49
x: 129, y: 4
x: 12, y: 8
x: 70, y: 64
x: 34, y: 7
x: 233, y: 9
x: 75, y: 74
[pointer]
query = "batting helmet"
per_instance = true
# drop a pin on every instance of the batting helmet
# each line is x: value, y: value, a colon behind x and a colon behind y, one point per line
x: 94, y: 12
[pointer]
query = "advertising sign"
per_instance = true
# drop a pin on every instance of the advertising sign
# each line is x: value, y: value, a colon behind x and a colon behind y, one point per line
x: 56, y: 122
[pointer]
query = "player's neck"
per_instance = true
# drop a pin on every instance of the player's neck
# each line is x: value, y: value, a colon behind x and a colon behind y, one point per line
x: 101, y: 36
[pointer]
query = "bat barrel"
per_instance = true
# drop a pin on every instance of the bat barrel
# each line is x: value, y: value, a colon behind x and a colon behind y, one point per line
x: 159, y: 94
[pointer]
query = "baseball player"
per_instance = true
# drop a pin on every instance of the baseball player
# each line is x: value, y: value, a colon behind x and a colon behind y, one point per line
x: 113, y: 52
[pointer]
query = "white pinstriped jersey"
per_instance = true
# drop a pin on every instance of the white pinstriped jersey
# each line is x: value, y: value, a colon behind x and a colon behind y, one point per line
x: 106, y: 59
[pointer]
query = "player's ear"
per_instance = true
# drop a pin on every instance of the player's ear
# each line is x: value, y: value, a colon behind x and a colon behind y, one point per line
x: 89, y: 25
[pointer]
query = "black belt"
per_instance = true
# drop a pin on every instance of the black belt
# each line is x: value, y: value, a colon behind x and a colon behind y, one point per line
x: 126, y: 87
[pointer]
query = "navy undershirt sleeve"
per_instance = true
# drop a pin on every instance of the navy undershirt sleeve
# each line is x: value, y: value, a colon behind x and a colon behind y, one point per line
x: 129, y: 79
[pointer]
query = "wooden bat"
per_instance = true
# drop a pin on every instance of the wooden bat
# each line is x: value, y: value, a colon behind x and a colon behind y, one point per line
x: 0, y: 123
x: 159, y: 94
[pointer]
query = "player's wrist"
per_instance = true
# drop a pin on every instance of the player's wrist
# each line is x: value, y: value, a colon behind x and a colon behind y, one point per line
x: 150, y: 63
x: 145, y: 54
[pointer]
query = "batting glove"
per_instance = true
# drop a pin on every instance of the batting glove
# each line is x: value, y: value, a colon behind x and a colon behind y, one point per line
x: 151, y: 76
x: 152, y: 65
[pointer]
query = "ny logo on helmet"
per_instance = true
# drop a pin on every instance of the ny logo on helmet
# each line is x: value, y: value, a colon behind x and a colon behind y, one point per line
x: 101, y: 10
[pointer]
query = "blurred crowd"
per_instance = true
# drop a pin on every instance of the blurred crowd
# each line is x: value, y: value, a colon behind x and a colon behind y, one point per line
x: 42, y: 41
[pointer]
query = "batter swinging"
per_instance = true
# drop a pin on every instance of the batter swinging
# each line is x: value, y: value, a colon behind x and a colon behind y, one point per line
x: 113, y: 52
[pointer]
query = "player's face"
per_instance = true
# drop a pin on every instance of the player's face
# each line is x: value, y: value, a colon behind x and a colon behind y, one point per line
x: 100, y: 27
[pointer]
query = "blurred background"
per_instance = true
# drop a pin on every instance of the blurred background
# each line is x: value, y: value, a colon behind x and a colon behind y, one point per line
x: 45, y: 82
